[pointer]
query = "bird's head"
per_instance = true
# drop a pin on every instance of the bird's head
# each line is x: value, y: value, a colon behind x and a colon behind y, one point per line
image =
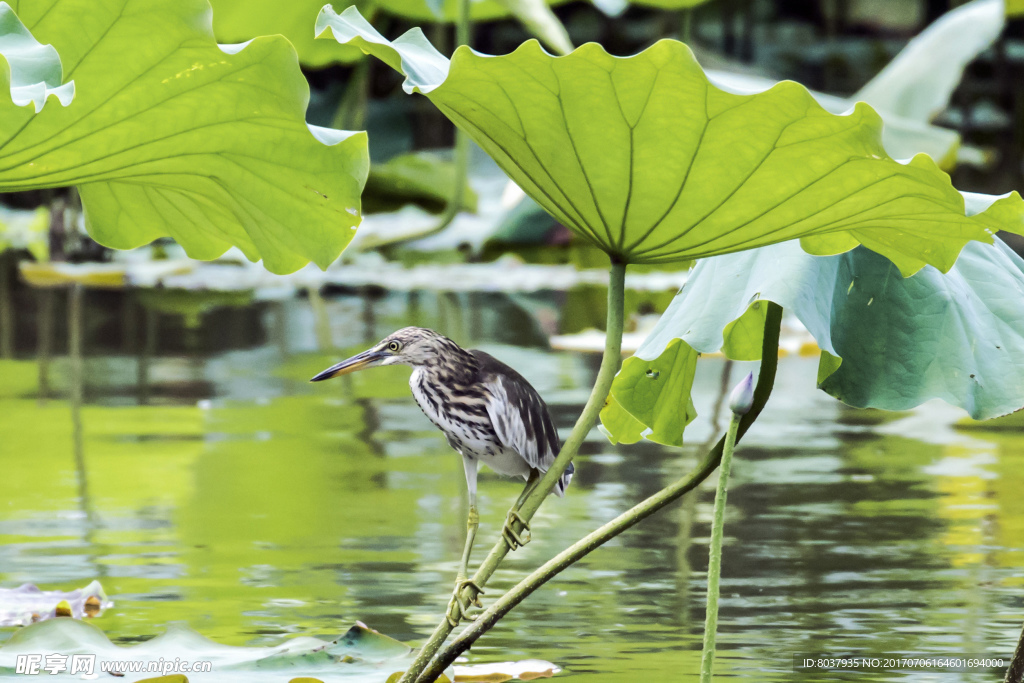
x: 415, y: 346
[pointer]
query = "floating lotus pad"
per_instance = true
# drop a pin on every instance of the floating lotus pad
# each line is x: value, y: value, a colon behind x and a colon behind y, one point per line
x: 27, y: 604
x: 647, y: 159
x: 362, y: 655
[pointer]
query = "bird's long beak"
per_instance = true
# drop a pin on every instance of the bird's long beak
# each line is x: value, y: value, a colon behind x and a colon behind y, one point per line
x: 366, y: 359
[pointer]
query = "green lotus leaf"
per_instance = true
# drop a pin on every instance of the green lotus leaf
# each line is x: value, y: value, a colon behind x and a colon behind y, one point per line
x: 887, y: 342
x: 170, y: 134
x: 902, y: 137
x: 235, y: 21
x: 647, y: 395
x: 34, y: 70
x: 647, y: 159
x: 365, y: 643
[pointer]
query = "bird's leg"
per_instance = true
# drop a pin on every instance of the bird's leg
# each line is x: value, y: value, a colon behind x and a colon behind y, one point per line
x: 457, y: 607
x: 508, y: 532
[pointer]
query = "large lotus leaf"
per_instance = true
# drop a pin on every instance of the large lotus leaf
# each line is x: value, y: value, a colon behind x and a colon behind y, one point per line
x: 901, y: 137
x: 33, y: 70
x: 646, y: 158
x: 170, y: 134
x: 958, y: 337
x: 887, y: 342
x: 235, y: 21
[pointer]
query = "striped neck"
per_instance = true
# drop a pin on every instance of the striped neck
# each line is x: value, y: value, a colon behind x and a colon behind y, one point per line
x: 450, y: 365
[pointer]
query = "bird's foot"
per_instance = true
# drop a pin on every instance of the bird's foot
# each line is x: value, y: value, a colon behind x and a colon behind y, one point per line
x: 458, y: 608
x: 508, y: 532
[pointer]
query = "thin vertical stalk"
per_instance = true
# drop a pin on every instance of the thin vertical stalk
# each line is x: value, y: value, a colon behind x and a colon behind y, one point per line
x: 6, y: 308
x: 44, y: 339
x: 458, y: 197
x: 463, y: 28
x: 463, y: 36
x: 321, y: 321
x: 592, y: 541
x: 75, y: 295
x: 687, y: 24
x: 146, y: 354
x: 462, y: 25
x: 588, y: 418
x: 76, y: 359
x: 351, y: 113
x: 707, y: 659
x: 280, y: 329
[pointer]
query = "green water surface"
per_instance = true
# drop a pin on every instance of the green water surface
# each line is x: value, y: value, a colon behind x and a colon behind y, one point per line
x: 204, y: 480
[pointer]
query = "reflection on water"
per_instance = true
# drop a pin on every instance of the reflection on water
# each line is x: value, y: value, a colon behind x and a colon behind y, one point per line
x: 210, y: 483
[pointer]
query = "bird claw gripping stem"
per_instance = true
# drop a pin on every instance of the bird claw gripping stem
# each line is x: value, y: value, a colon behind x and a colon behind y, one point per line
x: 459, y: 609
x: 513, y: 539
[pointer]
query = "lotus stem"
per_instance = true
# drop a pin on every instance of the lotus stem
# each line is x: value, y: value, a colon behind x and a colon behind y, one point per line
x: 351, y: 113
x: 459, y: 190
x: 6, y: 307
x: 583, y: 547
x: 462, y: 24
x: 740, y: 403
x: 321, y: 319
x: 463, y: 31
x: 44, y: 340
x: 463, y: 27
x: 588, y: 418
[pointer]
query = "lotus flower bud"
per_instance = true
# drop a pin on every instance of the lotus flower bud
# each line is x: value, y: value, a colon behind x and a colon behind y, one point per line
x: 742, y: 397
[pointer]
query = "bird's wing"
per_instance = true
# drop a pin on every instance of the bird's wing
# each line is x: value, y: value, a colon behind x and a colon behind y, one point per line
x: 518, y: 414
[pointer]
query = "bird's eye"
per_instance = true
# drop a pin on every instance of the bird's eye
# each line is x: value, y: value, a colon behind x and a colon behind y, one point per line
x: 394, y: 346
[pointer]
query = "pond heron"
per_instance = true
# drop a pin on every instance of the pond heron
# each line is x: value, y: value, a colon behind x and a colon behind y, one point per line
x: 489, y: 413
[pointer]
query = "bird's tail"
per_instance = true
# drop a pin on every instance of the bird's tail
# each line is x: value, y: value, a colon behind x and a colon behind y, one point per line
x: 563, y: 481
